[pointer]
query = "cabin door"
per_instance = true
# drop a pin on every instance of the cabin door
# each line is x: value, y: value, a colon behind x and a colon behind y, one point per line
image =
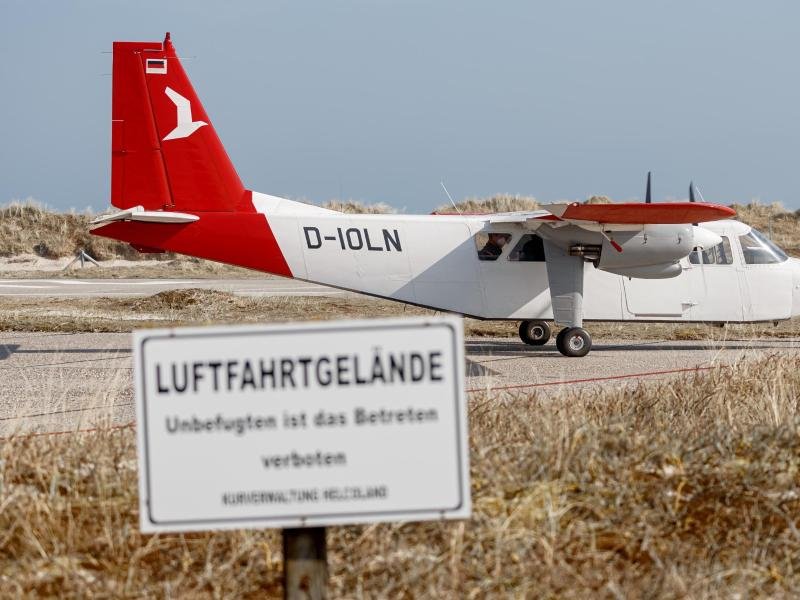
x: 658, y: 298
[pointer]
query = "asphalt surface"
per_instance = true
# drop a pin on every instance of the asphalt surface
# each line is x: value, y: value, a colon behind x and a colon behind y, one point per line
x: 94, y: 288
x: 63, y: 382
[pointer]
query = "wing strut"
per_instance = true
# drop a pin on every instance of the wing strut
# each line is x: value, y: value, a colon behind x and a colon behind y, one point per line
x: 565, y: 274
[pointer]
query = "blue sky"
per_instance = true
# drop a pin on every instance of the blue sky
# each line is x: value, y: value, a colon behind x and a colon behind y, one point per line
x: 379, y: 101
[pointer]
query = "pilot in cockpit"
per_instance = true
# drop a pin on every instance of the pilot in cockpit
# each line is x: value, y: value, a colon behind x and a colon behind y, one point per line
x: 494, y: 246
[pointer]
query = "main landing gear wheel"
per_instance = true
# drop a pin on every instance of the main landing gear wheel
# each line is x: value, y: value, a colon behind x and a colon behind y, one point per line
x: 534, y: 333
x: 574, y: 342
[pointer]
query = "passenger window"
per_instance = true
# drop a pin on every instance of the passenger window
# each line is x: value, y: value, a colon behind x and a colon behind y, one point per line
x: 490, y: 245
x: 529, y: 248
x: 718, y: 255
x: 758, y: 250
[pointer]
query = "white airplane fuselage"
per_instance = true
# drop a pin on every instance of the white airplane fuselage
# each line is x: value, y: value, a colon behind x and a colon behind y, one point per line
x: 433, y: 261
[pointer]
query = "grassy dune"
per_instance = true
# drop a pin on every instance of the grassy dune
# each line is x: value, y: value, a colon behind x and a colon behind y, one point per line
x: 30, y: 228
x: 689, y: 488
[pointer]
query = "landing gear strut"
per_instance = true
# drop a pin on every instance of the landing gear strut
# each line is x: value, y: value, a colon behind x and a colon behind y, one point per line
x: 574, y: 341
x: 534, y: 333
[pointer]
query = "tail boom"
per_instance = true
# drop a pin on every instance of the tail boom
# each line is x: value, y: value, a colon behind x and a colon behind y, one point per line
x: 236, y: 238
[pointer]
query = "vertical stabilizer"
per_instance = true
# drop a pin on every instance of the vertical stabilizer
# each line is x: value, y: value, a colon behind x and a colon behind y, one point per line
x: 165, y: 151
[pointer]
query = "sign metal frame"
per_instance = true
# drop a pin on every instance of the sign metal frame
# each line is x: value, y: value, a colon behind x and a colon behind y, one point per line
x: 462, y: 508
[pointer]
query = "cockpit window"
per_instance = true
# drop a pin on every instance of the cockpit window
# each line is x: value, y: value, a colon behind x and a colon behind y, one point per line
x: 490, y: 245
x: 529, y: 248
x: 718, y: 255
x: 758, y: 250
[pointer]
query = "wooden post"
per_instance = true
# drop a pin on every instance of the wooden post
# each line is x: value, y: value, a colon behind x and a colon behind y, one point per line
x: 305, y: 564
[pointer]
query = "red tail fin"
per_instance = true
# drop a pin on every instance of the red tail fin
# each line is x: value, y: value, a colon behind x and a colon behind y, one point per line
x: 165, y: 152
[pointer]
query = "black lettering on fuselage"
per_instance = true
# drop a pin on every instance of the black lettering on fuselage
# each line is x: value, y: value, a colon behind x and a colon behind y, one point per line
x: 369, y: 243
x: 354, y: 238
x: 393, y: 241
x: 313, y: 238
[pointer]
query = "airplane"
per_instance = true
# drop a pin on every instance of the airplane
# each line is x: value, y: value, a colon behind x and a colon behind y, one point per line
x: 568, y: 263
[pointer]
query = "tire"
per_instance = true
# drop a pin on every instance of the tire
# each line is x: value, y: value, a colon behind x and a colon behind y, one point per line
x: 574, y: 342
x: 534, y: 333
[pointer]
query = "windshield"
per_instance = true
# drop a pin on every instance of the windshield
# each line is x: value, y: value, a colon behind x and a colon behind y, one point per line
x: 758, y: 250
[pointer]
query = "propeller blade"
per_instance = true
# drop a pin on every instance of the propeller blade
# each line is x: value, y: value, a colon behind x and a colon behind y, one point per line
x: 648, y: 198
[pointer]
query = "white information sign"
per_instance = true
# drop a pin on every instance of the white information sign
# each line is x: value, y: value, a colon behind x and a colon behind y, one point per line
x: 301, y: 424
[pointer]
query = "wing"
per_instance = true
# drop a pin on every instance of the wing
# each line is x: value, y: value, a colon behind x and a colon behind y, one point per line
x: 636, y: 213
x: 629, y: 216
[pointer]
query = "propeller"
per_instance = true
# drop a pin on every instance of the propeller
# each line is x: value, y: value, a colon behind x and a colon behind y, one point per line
x: 648, y: 198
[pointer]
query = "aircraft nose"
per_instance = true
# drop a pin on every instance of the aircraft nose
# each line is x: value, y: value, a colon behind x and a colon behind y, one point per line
x: 795, y: 287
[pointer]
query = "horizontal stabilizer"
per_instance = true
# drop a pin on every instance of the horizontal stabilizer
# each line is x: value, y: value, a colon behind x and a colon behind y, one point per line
x: 138, y: 213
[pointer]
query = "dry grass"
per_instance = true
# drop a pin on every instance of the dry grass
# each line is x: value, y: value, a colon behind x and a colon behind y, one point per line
x: 183, y: 307
x: 505, y: 203
x: 181, y: 267
x: 784, y: 225
x: 494, y: 204
x: 688, y: 488
x: 356, y: 207
x: 30, y: 228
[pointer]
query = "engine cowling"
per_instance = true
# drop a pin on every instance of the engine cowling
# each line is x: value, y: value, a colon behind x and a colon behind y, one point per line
x: 653, y: 252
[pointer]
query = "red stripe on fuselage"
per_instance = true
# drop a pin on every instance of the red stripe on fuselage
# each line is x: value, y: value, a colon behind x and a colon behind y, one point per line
x: 235, y: 238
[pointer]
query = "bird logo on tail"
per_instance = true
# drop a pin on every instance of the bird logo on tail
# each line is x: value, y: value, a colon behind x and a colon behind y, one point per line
x: 186, y: 126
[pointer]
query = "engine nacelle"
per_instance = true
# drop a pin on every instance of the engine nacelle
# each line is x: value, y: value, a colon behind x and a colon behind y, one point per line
x: 655, y: 246
x: 651, y: 272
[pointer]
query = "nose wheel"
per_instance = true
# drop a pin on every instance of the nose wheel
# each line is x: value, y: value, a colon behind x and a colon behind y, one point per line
x: 574, y: 341
x: 534, y: 333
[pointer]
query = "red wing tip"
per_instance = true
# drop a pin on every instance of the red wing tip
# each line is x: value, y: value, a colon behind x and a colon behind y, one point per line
x: 725, y: 211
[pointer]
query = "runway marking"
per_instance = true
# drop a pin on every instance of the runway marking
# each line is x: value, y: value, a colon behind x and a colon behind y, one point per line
x: 695, y: 369
x: 98, y: 288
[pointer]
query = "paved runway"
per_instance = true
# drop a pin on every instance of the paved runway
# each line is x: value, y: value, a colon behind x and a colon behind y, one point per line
x: 75, y: 288
x: 62, y: 382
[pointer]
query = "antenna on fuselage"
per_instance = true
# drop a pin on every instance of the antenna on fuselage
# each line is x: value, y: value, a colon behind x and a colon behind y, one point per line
x: 648, y: 198
x: 449, y: 196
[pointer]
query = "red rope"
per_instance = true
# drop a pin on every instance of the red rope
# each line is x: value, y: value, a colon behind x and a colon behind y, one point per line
x: 469, y: 391
x: 48, y: 433
x: 592, y: 379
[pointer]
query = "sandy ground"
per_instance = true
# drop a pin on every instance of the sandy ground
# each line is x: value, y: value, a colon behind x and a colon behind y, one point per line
x: 31, y: 262
x: 31, y: 266
x: 62, y: 382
